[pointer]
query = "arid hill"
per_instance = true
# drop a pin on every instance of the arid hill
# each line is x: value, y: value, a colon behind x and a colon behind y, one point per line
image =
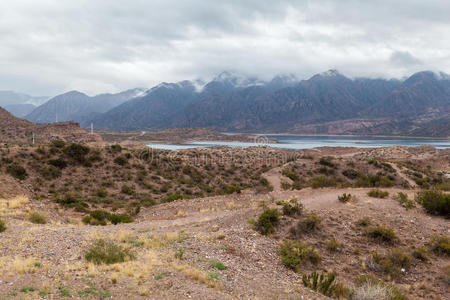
x: 18, y: 131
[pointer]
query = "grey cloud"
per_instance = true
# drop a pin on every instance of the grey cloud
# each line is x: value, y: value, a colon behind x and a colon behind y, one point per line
x: 51, y: 46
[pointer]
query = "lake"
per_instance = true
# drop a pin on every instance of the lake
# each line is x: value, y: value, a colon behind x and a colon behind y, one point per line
x: 295, y: 142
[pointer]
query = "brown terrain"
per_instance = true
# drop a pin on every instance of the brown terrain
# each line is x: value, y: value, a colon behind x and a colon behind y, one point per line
x: 17, y: 131
x: 188, y: 223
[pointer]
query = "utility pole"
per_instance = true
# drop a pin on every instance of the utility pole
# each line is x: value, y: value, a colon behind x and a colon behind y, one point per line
x: 92, y: 128
x: 32, y: 138
x: 56, y: 117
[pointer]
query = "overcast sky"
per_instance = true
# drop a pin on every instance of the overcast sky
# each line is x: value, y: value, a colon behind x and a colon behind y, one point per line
x: 52, y: 46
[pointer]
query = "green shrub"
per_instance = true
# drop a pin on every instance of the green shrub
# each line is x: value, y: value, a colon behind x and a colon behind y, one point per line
x: 37, y: 218
x: 382, y: 234
x: 320, y: 283
x: 344, y: 198
x: 363, y: 222
x: 128, y: 190
x: 420, y: 253
x: 51, y: 172
x: 119, y: 218
x: 393, y: 262
x: 377, y: 194
x: 292, y: 208
x: 218, y: 265
x: 57, y: 144
x: 322, y: 181
x: 106, y: 252
x: 291, y: 175
x: 116, y: 148
x: 17, y: 171
x: 267, y: 221
x: 77, y: 152
x: 404, y: 201
x: 295, y: 254
x: 374, y: 181
x: 327, y: 161
x: 333, y: 245
x: 435, y: 202
x: 171, y: 198
x: 59, y: 163
x: 307, y: 224
x: 350, y: 173
x: 2, y: 225
x: 121, y: 160
x: 440, y: 244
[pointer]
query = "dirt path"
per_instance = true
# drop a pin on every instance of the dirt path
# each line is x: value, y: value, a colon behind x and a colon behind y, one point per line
x: 402, y: 175
x: 275, y: 177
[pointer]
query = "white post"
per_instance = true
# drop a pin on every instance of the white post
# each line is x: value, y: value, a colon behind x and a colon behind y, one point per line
x: 56, y: 118
x: 92, y: 128
x: 33, y: 138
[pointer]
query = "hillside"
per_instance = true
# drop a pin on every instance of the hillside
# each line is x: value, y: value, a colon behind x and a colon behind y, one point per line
x: 234, y: 103
x: 208, y: 242
x: 17, y: 131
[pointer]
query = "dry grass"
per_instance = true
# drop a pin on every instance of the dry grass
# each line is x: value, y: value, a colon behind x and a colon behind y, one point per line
x: 13, y: 203
x: 182, y: 213
x: 197, y: 275
x: 24, y: 265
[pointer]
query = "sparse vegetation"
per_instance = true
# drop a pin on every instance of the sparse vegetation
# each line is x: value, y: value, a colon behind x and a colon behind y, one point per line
x: 394, y: 263
x: 37, y: 218
x: 267, y: 221
x: 2, y: 226
x: 382, y: 234
x: 320, y: 283
x: 404, y: 201
x: 218, y: 265
x: 322, y: 181
x: 344, y: 198
x: 307, y: 224
x: 333, y: 245
x: 106, y: 252
x: 435, y: 202
x: 17, y: 171
x: 292, y: 208
x: 440, y: 244
x: 377, y: 194
x: 295, y: 254
x: 365, y: 221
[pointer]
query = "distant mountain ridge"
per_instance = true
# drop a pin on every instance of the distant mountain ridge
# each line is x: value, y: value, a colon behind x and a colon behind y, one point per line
x: 77, y: 106
x: 328, y: 102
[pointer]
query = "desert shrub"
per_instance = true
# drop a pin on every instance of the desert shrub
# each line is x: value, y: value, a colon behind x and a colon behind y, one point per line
x: 119, y: 218
x: 88, y: 220
x: 57, y: 144
x: 267, y: 221
x: 2, y: 225
x: 121, y: 160
x: 37, y: 218
x: 344, y: 197
x: 327, y: 161
x: 218, y: 265
x: 101, y: 192
x: 420, y: 253
x: 404, y: 201
x: 382, y: 234
x: 77, y: 152
x: 350, y: 173
x: 127, y: 189
x: 291, y: 175
x: 106, y: 252
x: 374, y: 181
x: 50, y: 172
x: 434, y: 202
x: 171, y: 198
x: 17, y: 171
x: 377, y: 194
x: 443, y: 186
x: 322, y: 181
x: 295, y: 254
x: 116, y: 148
x: 266, y: 184
x: 307, y: 224
x: 292, y: 208
x: 440, y: 244
x: 365, y: 221
x: 333, y: 245
x: 285, y: 185
x: 320, y: 283
x: 393, y: 262
x: 58, y: 162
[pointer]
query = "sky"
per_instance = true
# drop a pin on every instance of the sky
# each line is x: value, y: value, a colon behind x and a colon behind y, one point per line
x: 51, y: 46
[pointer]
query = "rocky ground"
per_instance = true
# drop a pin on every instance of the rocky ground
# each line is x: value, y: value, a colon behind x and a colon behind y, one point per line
x: 207, y: 248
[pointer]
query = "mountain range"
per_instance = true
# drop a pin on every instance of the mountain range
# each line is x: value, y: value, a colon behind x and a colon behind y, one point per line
x: 326, y: 103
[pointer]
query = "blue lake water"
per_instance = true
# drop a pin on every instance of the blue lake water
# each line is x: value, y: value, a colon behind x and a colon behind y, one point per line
x: 295, y: 142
